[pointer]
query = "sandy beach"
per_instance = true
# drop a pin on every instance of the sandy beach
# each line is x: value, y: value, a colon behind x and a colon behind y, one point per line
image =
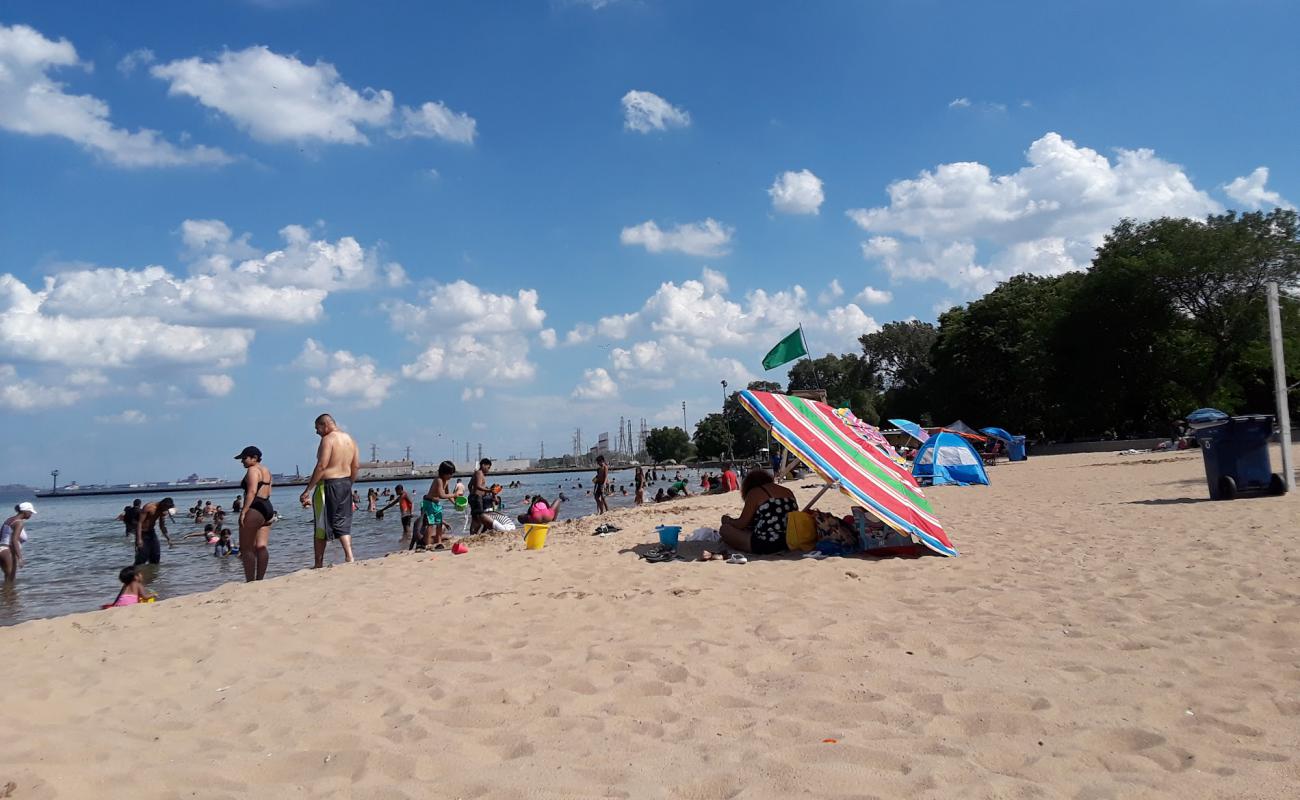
x: 1106, y: 633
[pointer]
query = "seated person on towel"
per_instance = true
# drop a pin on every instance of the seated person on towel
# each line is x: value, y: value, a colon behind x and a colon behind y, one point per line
x: 760, y: 528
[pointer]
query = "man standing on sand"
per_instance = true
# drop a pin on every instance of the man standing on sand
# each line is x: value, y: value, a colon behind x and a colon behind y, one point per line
x: 147, y: 549
x: 599, y: 484
x: 329, y: 489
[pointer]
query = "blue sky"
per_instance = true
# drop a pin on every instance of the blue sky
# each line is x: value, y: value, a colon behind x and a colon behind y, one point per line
x: 498, y: 222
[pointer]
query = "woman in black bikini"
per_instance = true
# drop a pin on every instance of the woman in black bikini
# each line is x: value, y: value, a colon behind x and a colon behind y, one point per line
x: 255, y: 515
x: 760, y: 529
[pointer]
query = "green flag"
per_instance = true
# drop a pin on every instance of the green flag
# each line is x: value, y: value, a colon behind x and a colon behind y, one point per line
x: 786, y: 350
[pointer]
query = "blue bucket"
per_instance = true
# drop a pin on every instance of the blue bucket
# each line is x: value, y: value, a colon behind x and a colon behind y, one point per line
x: 668, y: 535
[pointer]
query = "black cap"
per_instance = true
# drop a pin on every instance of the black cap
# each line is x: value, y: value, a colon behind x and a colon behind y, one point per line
x: 247, y: 452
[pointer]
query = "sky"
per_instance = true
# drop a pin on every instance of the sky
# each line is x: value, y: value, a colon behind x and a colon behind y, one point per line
x: 500, y: 222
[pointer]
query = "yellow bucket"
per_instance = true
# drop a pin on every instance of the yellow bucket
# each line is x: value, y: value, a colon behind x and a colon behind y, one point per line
x: 535, y: 536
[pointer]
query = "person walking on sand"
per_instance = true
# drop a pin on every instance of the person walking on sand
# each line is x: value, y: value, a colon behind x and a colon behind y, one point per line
x: 329, y: 489
x: 407, y: 506
x: 600, y: 484
x: 255, y: 515
x: 147, y: 548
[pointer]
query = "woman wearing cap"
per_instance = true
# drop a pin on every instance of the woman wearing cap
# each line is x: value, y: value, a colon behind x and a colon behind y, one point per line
x: 12, y: 537
x: 255, y: 515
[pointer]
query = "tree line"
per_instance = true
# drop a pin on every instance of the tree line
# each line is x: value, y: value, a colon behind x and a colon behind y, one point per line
x: 1170, y: 317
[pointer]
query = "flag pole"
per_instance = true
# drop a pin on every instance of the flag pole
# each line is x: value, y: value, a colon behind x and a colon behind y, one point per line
x: 808, y: 355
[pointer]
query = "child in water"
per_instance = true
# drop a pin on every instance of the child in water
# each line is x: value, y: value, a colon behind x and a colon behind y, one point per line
x: 222, y: 545
x: 133, y: 590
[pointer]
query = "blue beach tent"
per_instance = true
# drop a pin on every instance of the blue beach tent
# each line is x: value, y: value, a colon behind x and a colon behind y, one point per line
x: 946, y: 457
x: 1015, y: 444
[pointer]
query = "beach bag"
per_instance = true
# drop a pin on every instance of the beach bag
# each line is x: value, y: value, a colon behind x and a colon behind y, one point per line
x: 800, y: 531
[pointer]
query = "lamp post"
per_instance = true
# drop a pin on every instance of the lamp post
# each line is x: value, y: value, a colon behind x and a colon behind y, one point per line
x: 684, y: 429
x: 724, y: 414
x: 54, y: 473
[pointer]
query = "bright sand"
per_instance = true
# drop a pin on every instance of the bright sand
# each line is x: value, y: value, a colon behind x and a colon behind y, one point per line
x: 1106, y: 633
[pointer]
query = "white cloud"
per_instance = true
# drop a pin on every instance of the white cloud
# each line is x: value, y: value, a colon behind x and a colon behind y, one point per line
x: 960, y: 102
x: 581, y: 333
x: 277, y: 98
x: 873, y: 296
x: 136, y: 58
x: 833, y: 292
x: 1250, y: 190
x: 216, y: 385
x: 19, y: 394
x: 28, y: 331
x: 843, y: 326
x: 797, y: 193
x: 471, y: 393
x: 707, y: 238
x: 343, y: 377
x: 547, y: 338
x: 436, y: 121
x: 462, y: 307
x: 1049, y: 216
x: 34, y: 104
x: 690, y: 329
x: 646, y: 111
x: 596, y: 385
x: 498, y: 359
x: 131, y: 416
x: 232, y: 282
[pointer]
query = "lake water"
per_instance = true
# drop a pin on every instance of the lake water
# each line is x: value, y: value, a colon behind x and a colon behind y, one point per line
x: 76, y: 546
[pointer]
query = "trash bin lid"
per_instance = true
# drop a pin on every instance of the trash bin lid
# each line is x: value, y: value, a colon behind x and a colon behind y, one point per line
x: 1206, y: 418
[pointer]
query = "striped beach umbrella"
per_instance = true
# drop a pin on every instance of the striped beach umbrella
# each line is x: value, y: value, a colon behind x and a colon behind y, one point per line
x: 820, y: 439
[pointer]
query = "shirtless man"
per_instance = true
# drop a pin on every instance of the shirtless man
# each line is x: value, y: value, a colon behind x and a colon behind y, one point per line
x: 329, y: 489
x: 599, y: 485
x: 480, y: 498
x: 147, y: 548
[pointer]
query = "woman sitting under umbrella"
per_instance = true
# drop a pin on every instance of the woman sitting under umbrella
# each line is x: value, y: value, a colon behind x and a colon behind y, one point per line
x: 760, y: 529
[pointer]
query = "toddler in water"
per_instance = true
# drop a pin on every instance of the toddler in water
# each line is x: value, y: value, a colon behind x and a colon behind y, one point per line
x: 133, y: 590
x: 221, y: 545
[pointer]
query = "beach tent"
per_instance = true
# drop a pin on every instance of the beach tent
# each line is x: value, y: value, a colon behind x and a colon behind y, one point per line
x: 1015, y: 444
x: 911, y: 429
x: 817, y: 437
x: 964, y: 430
x: 946, y: 457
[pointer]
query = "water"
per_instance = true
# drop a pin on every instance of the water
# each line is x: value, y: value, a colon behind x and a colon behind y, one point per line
x: 76, y: 546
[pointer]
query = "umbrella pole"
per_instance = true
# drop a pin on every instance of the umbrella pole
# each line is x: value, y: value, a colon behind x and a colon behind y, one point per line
x: 818, y: 496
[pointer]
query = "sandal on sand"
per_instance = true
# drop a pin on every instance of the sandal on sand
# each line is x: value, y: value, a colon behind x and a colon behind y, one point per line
x: 660, y: 556
x: 737, y: 558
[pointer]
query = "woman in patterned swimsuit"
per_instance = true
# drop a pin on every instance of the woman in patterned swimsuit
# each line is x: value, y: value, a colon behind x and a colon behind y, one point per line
x: 760, y: 528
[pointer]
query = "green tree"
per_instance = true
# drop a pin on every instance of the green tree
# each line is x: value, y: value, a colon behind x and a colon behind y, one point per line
x: 992, y: 360
x: 899, y: 354
x: 712, y: 437
x: 668, y: 444
x: 747, y: 436
x: 847, y: 379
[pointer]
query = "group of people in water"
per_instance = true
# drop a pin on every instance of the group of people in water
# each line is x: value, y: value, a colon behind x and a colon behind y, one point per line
x: 329, y: 492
